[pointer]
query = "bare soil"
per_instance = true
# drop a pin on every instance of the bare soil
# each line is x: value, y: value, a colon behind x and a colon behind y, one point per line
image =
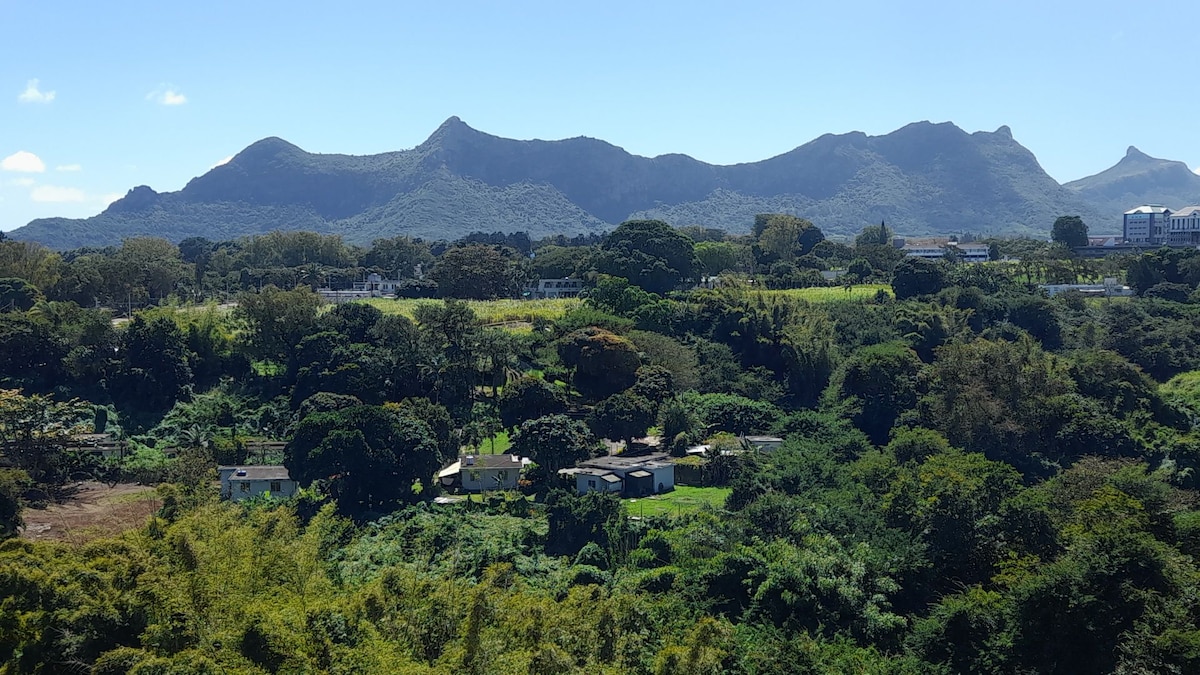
x: 91, y: 510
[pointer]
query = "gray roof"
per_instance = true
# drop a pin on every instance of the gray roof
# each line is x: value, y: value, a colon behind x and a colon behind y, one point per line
x: 1186, y: 212
x: 490, y: 461
x: 621, y: 462
x: 243, y: 473
x: 640, y: 473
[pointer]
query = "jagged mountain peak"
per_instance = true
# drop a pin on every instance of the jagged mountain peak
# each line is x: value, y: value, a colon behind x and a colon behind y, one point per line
x: 927, y: 177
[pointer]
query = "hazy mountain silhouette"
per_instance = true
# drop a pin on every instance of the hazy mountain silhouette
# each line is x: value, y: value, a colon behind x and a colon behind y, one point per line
x: 923, y: 178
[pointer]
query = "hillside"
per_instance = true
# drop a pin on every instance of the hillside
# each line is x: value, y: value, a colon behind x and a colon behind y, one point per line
x: 923, y: 178
x: 1139, y: 179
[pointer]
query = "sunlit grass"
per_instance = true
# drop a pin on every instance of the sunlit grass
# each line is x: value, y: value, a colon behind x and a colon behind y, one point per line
x: 824, y: 294
x: 682, y: 500
x: 488, y: 311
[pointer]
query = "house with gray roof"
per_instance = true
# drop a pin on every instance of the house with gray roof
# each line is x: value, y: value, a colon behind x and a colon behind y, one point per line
x: 631, y: 476
x: 245, y: 482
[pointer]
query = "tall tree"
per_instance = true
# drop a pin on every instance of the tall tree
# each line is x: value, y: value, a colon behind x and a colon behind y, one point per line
x: 276, y: 321
x: 476, y: 272
x: 554, y: 442
x: 370, y: 456
x: 648, y: 253
x: 1069, y: 231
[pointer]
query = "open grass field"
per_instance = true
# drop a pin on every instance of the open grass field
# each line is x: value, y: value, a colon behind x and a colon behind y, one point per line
x: 818, y: 295
x: 488, y: 311
x: 684, y: 499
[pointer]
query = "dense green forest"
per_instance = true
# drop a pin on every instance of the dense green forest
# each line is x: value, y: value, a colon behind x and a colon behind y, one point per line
x: 975, y: 477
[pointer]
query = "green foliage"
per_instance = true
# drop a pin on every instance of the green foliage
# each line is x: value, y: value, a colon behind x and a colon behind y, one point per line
x: 649, y: 254
x: 553, y: 441
x: 622, y: 416
x: 915, y: 277
x: 13, y: 483
x: 476, y: 272
x: 1069, y: 231
x: 604, y: 362
x: 528, y: 398
x: 878, y: 384
x: 368, y: 456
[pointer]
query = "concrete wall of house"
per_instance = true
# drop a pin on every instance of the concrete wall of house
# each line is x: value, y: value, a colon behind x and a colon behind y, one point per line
x: 476, y: 479
x: 248, y: 489
x: 664, y: 478
x: 585, y: 483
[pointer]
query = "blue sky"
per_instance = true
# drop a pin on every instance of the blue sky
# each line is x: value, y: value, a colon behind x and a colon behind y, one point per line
x: 98, y: 97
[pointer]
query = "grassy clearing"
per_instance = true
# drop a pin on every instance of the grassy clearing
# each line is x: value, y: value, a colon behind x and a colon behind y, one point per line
x: 488, y: 311
x: 821, y: 295
x: 684, y: 499
x: 496, y: 445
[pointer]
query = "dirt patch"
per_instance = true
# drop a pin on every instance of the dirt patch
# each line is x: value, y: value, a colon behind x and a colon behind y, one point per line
x: 91, y: 510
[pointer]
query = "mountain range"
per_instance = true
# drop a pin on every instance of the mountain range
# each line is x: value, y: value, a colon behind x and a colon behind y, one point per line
x: 924, y: 178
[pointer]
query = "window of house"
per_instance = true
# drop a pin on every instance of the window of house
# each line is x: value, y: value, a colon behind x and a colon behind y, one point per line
x: 591, y: 483
x: 474, y: 475
x: 502, y: 475
x: 276, y: 487
x: 245, y: 487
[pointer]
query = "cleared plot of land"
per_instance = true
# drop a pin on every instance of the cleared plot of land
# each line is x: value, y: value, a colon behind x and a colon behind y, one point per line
x: 488, y: 311
x: 684, y: 499
x: 91, y: 510
x: 859, y: 292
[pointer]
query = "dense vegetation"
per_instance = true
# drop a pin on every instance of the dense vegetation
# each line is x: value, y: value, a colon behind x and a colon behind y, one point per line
x: 975, y: 477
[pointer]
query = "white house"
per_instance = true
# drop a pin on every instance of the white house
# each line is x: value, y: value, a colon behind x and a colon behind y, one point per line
x: 478, y: 473
x: 245, y: 482
x: 595, y: 480
x: 631, y: 476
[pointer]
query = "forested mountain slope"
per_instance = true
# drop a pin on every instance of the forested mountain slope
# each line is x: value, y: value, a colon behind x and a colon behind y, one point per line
x: 923, y: 178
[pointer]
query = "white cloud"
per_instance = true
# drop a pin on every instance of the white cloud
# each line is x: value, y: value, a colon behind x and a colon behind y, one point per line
x: 1197, y: 169
x: 53, y: 193
x: 23, y: 182
x: 222, y: 162
x: 167, y: 95
x: 69, y: 167
x: 34, y: 95
x: 24, y: 162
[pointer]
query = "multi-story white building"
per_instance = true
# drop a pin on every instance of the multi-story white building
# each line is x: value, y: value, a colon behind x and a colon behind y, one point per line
x: 1183, y: 227
x: 1146, y: 224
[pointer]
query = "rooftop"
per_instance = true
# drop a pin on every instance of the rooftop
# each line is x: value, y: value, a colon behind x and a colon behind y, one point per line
x: 241, y: 473
x: 490, y: 461
x: 1186, y: 212
x: 1148, y: 208
x: 621, y: 462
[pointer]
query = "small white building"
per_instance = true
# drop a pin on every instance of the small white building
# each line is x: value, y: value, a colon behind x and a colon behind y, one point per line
x: 479, y: 473
x: 245, y: 482
x: 631, y: 476
x: 555, y: 288
x: 595, y: 480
